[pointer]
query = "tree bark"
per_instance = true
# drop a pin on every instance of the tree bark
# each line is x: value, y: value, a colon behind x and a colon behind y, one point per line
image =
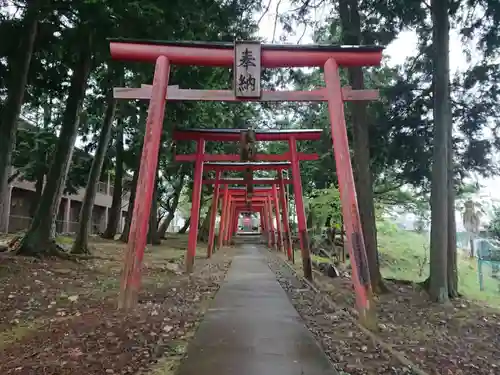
x: 205, y: 227
x: 130, y: 211
x: 18, y: 78
x: 452, y: 267
x: 128, y: 219
x: 153, y: 238
x: 162, y: 228
x: 81, y: 245
x: 173, y: 207
x: 351, y: 35
x: 185, y: 227
x: 438, y: 280
x: 116, y: 204
x: 62, y: 186
x: 40, y: 176
x: 38, y: 194
x: 37, y: 240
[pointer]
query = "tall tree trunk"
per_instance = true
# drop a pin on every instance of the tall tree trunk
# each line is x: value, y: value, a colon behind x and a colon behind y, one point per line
x: 205, y: 227
x: 62, y: 186
x: 162, y: 228
x: 116, y: 204
x: 139, y: 137
x: 452, y: 268
x: 38, y: 193
x: 81, y: 246
x: 130, y: 211
x: 438, y: 280
x: 18, y: 77
x: 351, y: 35
x: 37, y: 240
x: 185, y: 227
x: 173, y: 207
x: 40, y: 176
x: 153, y: 238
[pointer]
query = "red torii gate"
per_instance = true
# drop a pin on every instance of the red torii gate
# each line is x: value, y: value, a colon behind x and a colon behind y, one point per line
x: 267, y: 199
x: 278, y: 199
x: 286, y: 242
x: 227, y: 216
x: 234, y: 135
x: 226, y: 209
x: 163, y: 54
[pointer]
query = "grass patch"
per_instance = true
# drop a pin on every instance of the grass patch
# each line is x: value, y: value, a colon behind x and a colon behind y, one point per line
x: 17, y: 333
x: 65, y: 240
x: 404, y: 255
x: 318, y: 259
x: 169, y: 364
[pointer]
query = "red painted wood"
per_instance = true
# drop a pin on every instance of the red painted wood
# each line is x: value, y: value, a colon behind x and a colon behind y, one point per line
x: 262, y: 226
x: 270, y: 240
x: 287, y: 236
x: 239, y: 181
x: 224, y: 57
x: 279, y: 243
x: 259, y: 157
x: 223, y: 217
x: 243, y: 166
x: 231, y: 224
x: 301, y: 216
x: 265, y: 218
x: 242, y: 190
x: 347, y: 189
x: 260, y: 135
x: 235, y: 224
x: 213, y: 215
x: 244, y: 207
x: 195, y: 206
x: 240, y: 199
x: 145, y: 184
x: 227, y: 227
x: 177, y: 94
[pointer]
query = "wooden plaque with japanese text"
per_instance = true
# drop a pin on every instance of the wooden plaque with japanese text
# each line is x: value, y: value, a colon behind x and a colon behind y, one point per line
x: 247, y: 69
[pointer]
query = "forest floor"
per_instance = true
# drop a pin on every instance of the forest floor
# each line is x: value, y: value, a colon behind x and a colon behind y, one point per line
x: 60, y: 317
x: 460, y: 338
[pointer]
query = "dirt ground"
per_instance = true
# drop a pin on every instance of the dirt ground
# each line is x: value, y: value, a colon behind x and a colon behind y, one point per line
x: 462, y: 338
x: 60, y: 317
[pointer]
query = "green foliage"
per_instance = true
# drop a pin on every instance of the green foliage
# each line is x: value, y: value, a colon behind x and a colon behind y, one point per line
x: 401, y: 123
x: 33, y: 153
x: 324, y: 205
x: 494, y: 225
x: 404, y: 255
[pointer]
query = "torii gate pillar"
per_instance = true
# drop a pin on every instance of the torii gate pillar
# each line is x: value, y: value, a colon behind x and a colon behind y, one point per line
x: 347, y: 190
x: 276, y: 205
x: 213, y: 215
x: 286, y: 235
x: 223, y: 217
x: 301, y: 215
x: 195, y: 205
x: 131, y: 278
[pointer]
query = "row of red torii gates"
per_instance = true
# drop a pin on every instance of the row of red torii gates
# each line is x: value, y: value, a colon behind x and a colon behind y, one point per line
x: 246, y: 59
x: 234, y: 201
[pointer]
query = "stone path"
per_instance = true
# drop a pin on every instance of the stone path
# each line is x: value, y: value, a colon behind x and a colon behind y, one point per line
x: 253, y: 329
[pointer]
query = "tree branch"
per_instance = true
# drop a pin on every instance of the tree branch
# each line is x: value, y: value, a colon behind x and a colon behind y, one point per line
x: 265, y: 12
x: 276, y: 20
x: 15, y: 175
x: 388, y: 189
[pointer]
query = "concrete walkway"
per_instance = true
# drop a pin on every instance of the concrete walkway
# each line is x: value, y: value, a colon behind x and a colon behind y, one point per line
x: 253, y: 329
